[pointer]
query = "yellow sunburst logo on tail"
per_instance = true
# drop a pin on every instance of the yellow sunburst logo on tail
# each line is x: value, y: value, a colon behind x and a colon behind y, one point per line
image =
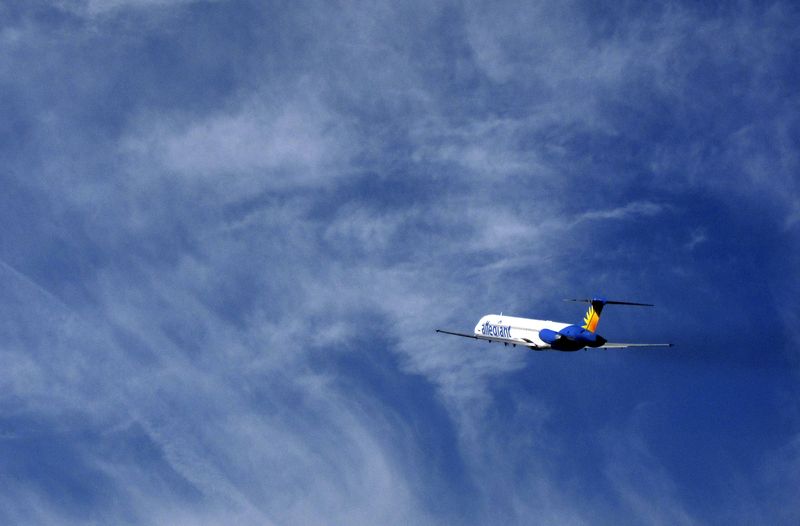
x: 591, y: 319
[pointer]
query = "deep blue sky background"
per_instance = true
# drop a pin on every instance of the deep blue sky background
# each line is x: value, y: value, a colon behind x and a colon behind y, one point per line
x: 229, y: 229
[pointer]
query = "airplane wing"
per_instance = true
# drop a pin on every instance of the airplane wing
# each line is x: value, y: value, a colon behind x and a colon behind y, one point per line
x: 531, y: 345
x: 625, y: 345
x: 523, y: 343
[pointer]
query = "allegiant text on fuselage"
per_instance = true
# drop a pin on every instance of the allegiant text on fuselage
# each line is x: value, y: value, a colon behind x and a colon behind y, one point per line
x: 499, y: 331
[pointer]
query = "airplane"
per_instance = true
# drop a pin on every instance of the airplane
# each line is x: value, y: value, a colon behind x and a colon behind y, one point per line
x: 545, y: 335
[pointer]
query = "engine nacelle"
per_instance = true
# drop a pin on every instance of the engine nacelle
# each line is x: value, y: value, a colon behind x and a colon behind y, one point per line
x: 548, y: 336
x: 571, y: 338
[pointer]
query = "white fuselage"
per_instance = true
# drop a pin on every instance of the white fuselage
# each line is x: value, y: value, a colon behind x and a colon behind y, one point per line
x: 522, y: 329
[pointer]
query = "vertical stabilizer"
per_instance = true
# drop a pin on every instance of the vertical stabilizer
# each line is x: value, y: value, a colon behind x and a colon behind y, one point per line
x: 592, y: 317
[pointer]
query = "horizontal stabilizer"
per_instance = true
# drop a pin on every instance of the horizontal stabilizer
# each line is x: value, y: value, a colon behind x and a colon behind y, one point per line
x: 611, y: 302
x: 624, y: 345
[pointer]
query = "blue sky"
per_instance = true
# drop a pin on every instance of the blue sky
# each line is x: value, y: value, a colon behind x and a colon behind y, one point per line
x: 229, y: 229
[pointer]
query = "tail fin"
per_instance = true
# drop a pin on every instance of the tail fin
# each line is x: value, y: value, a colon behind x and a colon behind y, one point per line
x: 592, y: 317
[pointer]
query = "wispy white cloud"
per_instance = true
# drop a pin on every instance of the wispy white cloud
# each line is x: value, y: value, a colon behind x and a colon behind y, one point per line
x: 698, y: 237
x: 488, y: 148
x: 337, y: 450
x: 267, y: 144
x: 101, y: 7
x: 630, y: 210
